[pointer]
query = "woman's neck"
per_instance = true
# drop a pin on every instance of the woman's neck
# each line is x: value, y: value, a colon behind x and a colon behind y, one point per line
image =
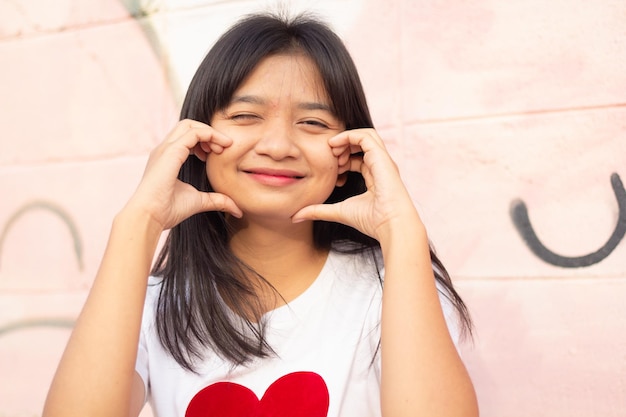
x: 283, y: 254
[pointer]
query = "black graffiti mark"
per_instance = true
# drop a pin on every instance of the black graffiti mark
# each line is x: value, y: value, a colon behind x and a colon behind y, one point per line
x: 519, y: 214
x: 57, y: 323
x: 53, y: 208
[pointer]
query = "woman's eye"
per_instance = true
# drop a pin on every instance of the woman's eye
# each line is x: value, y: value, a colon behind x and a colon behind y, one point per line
x: 315, y: 123
x: 243, y: 116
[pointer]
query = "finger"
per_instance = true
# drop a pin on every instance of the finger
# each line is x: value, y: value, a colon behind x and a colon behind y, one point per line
x: 204, y: 135
x: 340, y: 150
x: 328, y: 212
x: 200, y: 152
x: 343, y: 148
x: 198, y: 141
x: 354, y: 164
x: 203, y: 149
x: 343, y: 159
x: 363, y: 139
x: 212, y: 147
x: 181, y: 127
x: 219, y: 202
x: 190, y: 132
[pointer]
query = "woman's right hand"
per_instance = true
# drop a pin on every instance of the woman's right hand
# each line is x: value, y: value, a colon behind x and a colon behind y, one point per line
x: 161, y: 195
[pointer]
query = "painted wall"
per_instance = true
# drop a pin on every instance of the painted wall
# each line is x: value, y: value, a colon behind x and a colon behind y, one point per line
x: 507, y: 119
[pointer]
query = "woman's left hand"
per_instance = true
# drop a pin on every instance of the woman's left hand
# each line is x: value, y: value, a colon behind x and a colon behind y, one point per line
x: 385, y: 203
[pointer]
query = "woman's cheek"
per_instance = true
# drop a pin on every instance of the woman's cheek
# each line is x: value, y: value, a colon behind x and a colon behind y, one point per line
x: 213, y: 172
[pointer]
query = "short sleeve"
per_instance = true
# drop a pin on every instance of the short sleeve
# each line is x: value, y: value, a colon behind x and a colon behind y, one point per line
x: 141, y: 366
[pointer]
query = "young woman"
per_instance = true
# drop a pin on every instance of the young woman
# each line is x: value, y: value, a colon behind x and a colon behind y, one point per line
x: 297, y: 277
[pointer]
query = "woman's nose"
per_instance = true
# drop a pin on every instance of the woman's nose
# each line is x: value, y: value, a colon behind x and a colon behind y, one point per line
x: 277, y: 141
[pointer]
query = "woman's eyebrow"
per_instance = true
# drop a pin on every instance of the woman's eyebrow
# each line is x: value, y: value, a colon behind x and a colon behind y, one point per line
x: 315, y: 106
x: 247, y: 99
x: 307, y: 105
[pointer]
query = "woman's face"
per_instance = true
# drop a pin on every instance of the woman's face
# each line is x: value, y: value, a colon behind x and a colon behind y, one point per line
x: 280, y: 120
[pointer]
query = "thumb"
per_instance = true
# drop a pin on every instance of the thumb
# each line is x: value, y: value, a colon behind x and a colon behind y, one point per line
x: 328, y: 212
x: 210, y: 201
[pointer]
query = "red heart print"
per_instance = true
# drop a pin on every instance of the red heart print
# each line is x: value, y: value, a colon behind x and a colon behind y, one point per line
x: 299, y: 394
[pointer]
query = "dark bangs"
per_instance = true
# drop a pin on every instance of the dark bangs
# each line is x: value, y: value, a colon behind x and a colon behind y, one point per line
x: 251, y: 40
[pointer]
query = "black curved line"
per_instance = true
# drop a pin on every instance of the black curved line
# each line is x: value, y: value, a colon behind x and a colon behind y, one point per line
x: 45, y: 205
x: 519, y: 214
x: 59, y: 323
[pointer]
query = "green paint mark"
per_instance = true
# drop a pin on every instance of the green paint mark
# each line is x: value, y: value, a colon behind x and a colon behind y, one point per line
x: 58, y: 211
x: 55, y: 323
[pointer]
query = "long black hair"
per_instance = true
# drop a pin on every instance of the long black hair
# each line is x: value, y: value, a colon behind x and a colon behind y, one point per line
x: 205, y: 295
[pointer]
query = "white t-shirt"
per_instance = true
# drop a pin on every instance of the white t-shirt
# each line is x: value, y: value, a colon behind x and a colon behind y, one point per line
x: 327, y: 362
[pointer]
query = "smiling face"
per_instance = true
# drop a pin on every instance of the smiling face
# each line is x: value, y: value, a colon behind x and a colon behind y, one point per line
x: 280, y: 120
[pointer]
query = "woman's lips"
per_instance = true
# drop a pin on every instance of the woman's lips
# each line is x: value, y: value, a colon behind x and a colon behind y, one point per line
x: 274, y: 177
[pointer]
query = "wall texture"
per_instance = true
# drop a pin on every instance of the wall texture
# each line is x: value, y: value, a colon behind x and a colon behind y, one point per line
x: 507, y: 119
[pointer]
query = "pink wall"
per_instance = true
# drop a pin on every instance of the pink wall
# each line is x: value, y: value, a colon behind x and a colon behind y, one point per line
x: 483, y: 103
